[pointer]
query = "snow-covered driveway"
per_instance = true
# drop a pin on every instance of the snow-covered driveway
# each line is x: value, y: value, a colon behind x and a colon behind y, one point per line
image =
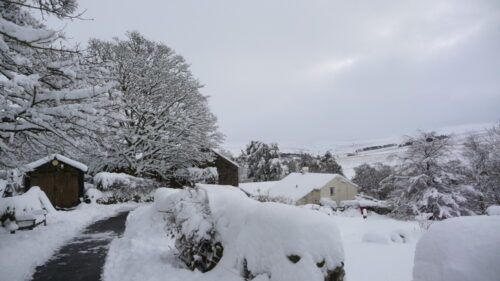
x: 22, y: 252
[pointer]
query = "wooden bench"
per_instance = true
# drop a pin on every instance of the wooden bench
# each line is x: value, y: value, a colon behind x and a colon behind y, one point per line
x: 31, y: 220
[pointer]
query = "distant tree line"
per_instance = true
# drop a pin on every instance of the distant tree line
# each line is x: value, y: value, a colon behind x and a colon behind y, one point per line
x: 264, y: 162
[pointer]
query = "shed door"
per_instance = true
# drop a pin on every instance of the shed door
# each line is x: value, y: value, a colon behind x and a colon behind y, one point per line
x: 66, y: 189
x: 46, y: 182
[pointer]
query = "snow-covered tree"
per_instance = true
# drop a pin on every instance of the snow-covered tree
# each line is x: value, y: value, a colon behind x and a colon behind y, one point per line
x: 368, y: 178
x: 166, y: 123
x: 424, y: 183
x: 483, y: 156
x: 263, y: 161
x: 328, y: 164
x: 50, y: 99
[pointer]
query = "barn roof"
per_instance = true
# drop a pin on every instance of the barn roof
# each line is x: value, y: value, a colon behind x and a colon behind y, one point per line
x: 60, y: 158
x: 297, y: 185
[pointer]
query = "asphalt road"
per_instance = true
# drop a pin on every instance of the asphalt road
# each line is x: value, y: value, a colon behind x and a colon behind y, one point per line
x: 82, y: 259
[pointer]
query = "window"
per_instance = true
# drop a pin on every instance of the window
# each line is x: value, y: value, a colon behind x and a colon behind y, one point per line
x: 331, y: 191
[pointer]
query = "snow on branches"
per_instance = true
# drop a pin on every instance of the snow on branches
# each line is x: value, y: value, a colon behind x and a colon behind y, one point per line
x: 167, y: 123
x: 46, y: 100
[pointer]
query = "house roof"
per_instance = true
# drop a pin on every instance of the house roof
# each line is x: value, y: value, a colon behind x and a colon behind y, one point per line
x: 297, y: 185
x: 60, y: 158
x: 257, y: 188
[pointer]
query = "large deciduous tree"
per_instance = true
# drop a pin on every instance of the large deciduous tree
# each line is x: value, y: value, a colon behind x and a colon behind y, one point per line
x: 166, y: 123
x: 47, y: 100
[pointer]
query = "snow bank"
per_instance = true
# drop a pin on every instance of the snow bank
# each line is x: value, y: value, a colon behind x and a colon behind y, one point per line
x: 120, y: 187
x: 257, y: 237
x: 463, y: 248
x: 375, y: 237
x: 253, y: 231
x: 493, y: 210
x: 32, y: 200
x: 23, y: 251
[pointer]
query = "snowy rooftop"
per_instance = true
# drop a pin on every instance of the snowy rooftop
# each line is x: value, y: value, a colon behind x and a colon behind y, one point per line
x: 297, y: 185
x: 257, y: 188
x: 59, y: 157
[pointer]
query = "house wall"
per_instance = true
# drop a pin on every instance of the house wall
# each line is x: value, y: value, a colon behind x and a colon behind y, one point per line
x: 312, y: 197
x: 343, y: 190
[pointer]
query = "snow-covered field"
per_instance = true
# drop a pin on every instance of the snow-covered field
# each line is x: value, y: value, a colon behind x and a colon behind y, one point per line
x: 145, y: 252
x: 21, y: 252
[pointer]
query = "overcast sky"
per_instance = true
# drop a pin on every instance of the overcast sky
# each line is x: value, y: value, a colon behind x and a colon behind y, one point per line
x: 304, y: 72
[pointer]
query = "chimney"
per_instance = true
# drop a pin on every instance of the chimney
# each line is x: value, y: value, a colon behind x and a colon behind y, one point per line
x: 304, y: 170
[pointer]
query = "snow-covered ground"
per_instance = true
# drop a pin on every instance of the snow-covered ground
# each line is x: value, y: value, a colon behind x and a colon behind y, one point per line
x: 145, y: 252
x: 377, y: 261
x: 21, y: 252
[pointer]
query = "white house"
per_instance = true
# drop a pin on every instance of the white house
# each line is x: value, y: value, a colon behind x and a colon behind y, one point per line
x: 310, y: 188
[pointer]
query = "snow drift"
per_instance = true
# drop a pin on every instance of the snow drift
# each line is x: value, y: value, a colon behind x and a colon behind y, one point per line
x: 261, y: 241
x: 464, y: 248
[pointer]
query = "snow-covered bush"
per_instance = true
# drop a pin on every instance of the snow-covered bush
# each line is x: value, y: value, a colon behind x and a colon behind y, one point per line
x: 25, y: 204
x: 119, y: 187
x: 257, y: 238
x: 493, y: 210
x: 191, y: 224
x: 325, y: 201
x: 464, y: 248
x: 193, y: 175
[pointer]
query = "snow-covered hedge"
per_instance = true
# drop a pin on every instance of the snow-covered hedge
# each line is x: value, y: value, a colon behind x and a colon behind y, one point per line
x: 241, y: 239
x: 120, y: 187
x: 463, y: 248
x: 279, y: 241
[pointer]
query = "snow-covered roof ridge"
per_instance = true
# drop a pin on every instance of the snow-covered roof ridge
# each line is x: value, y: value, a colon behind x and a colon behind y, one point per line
x: 225, y: 157
x: 59, y: 157
x: 297, y: 185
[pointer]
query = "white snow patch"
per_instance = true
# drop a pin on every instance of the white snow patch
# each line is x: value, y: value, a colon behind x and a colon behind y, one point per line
x: 493, y: 210
x: 463, y: 248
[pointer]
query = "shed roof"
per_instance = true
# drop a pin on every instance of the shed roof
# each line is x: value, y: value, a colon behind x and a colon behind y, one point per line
x: 297, y: 185
x: 226, y: 158
x: 59, y: 157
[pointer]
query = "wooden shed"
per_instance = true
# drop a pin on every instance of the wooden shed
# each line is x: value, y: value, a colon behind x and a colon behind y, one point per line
x: 59, y: 177
x: 227, y: 169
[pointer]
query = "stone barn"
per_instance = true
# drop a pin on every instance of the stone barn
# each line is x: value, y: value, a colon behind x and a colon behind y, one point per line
x: 59, y: 177
x: 228, y: 170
